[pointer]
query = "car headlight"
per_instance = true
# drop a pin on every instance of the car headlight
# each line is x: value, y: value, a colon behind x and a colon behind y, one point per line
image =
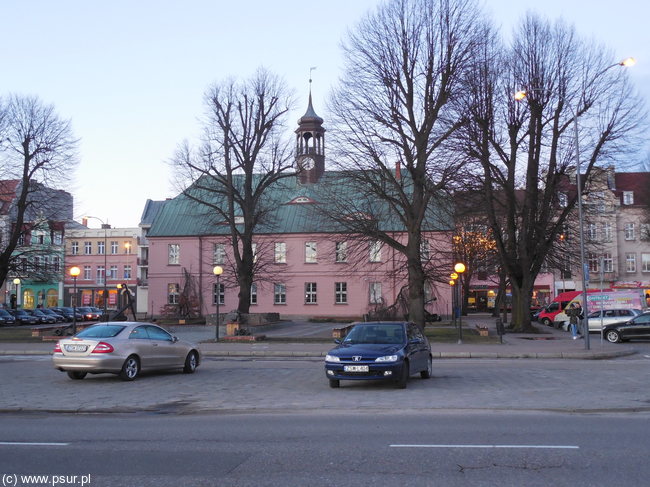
x: 387, y: 358
x: 331, y: 358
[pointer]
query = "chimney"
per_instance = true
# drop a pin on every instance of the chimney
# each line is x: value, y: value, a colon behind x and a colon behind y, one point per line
x: 84, y: 221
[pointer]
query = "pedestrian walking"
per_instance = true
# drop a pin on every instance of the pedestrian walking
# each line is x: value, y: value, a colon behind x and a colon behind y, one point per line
x: 574, y: 312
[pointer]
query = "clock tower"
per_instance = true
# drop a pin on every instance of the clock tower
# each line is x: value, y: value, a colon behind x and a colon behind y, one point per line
x: 310, y: 145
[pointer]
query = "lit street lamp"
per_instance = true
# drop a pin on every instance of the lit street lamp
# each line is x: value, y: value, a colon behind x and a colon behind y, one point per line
x: 17, y: 286
x: 459, y: 268
x: 74, y: 272
x: 217, y: 271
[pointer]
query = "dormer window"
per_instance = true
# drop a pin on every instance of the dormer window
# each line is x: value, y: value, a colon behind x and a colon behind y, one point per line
x: 628, y: 197
x: 239, y: 220
x: 301, y: 200
x: 562, y: 200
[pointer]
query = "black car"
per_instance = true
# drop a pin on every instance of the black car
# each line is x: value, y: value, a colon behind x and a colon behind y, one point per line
x: 380, y: 350
x: 68, y: 313
x: 43, y: 317
x: 6, y: 318
x: 89, y: 313
x: 58, y: 317
x: 637, y: 327
x: 24, y: 318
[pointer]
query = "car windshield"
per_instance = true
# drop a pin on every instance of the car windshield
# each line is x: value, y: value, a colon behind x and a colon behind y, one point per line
x: 376, y: 334
x: 102, y: 331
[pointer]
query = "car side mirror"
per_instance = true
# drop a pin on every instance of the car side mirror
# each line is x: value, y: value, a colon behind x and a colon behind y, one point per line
x: 174, y: 338
x: 337, y: 341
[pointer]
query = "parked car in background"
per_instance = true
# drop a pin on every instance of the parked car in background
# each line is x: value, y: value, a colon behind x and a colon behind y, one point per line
x: 637, y: 327
x: 124, y: 348
x: 43, y: 317
x: 6, y: 318
x: 24, y: 318
x: 57, y: 316
x: 68, y: 313
x: 610, y: 316
x: 380, y: 351
x: 99, y: 311
x: 89, y: 314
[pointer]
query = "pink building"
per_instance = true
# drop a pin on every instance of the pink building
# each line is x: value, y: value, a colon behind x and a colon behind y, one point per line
x: 306, y: 266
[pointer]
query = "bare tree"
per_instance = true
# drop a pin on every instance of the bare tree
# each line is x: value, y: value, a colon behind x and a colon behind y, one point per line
x: 391, y: 112
x: 526, y: 149
x: 243, y: 156
x: 37, y: 154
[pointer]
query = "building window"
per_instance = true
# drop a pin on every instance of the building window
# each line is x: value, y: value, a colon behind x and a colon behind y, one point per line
x: 607, y: 232
x: 375, y: 251
x: 645, y: 262
x: 341, y: 292
x: 173, y: 293
x: 593, y: 263
x: 127, y: 272
x: 630, y: 262
x: 58, y: 238
x: 645, y: 231
x: 311, y: 255
x: 101, y: 272
x: 114, y: 247
x: 127, y: 247
x: 221, y: 294
x: 279, y: 293
x: 375, y: 293
x: 629, y: 231
x: 592, y: 232
x: 310, y: 293
x: 173, y: 254
x: 218, y: 254
x: 628, y: 197
x: 56, y: 263
x: 88, y: 248
x: 101, y: 248
x: 341, y: 250
x: 87, y: 273
x: 608, y: 262
x: 112, y: 272
x: 254, y: 250
x: 253, y: 293
x: 280, y: 253
x: 74, y: 248
x: 424, y: 251
x: 562, y: 200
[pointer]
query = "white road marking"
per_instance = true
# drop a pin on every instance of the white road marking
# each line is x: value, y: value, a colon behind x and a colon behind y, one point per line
x: 27, y: 443
x: 551, y: 447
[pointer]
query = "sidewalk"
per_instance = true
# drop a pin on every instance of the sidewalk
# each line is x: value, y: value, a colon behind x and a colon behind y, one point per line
x: 549, y: 344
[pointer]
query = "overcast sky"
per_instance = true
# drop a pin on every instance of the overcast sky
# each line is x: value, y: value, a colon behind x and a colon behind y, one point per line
x: 130, y: 75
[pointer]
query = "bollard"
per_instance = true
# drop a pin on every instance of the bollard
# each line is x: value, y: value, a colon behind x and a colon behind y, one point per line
x: 500, y: 329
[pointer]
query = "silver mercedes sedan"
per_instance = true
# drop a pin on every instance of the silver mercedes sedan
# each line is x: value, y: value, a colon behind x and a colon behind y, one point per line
x: 125, y: 349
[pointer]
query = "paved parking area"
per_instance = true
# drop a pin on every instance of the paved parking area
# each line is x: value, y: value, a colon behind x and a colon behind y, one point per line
x: 30, y: 383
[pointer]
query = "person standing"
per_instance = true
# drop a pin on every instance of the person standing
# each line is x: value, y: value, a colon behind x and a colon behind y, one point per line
x: 573, y: 312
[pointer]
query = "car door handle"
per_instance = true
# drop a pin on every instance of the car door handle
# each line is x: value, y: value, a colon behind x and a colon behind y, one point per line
x: 154, y: 344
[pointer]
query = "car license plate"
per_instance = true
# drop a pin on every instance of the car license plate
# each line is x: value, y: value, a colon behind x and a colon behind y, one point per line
x: 356, y: 368
x: 76, y: 348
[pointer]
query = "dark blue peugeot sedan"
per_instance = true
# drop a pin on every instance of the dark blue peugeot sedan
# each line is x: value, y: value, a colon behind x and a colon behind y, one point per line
x: 380, y: 351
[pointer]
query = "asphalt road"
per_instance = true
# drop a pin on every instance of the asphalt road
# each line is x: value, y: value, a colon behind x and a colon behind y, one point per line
x: 366, y: 447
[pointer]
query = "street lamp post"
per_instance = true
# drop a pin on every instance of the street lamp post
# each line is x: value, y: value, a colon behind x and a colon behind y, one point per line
x: 74, y: 272
x: 520, y: 95
x: 217, y: 271
x: 17, y: 286
x: 460, y: 268
x: 104, y: 226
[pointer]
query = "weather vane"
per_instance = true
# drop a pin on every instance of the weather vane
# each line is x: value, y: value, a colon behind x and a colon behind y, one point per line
x: 310, y: 70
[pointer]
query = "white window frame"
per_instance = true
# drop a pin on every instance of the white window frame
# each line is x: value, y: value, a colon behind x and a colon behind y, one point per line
x: 221, y: 293
x: 607, y: 232
x: 253, y: 293
x: 279, y: 293
x: 101, y: 247
x: 311, y: 252
x: 88, y: 248
x: 341, y: 252
x: 74, y: 247
x: 341, y: 293
x: 628, y: 197
x: 645, y: 262
x: 218, y: 254
x: 173, y: 254
x: 608, y: 262
x: 629, y: 231
x: 374, y: 251
x: 280, y: 252
x: 630, y: 262
x: 374, y: 293
x: 113, y: 272
x: 115, y: 247
x: 173, y: 293
x: 127, y: 272
x: 311, y: 293
x: 88, y: 273
x: 101, y: 274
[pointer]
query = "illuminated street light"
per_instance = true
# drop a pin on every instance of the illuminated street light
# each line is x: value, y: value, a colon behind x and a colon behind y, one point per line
x: 217, y: 271
x: 459, y: 268
x: 74, y: 272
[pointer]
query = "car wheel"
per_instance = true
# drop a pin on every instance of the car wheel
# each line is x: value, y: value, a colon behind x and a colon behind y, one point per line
x: 425, y: 374
x: 546, y: 322
x: 613, y: 336
x: 335, y: 383
x: 191, y: 363
x: 404, y: 376
x: 76, y: 375
x: 130, y: 369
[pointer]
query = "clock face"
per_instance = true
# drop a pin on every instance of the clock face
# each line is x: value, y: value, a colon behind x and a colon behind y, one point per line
x: 308, y: 163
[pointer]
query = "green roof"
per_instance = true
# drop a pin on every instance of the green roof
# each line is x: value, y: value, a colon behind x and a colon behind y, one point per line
x: 296, y: 208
